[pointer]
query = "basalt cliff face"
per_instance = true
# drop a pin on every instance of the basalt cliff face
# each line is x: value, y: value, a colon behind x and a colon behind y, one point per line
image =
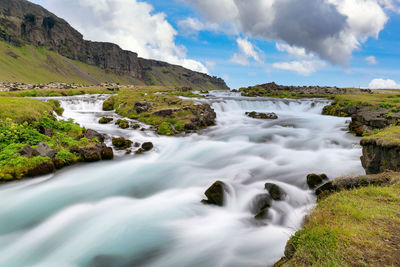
x: 22, y: 22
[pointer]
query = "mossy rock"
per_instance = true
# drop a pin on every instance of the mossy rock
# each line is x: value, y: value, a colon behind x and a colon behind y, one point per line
x: 105, y: 120
x: 313, y: 180
x: 121, y: 143
x: 124, y: 124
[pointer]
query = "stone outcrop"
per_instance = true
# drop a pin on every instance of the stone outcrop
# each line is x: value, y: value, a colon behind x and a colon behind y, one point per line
x: 45, y: 150
x: 204, y: 116
x: 380, y: 155
x: 260, y: 206
x: 23, y: 22
x: 263, y: 116
x: 277, y: 90
x: 92, y: 134
x: 94, y: 153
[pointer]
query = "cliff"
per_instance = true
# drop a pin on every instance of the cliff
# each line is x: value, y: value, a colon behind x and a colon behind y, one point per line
x: 22, y: 23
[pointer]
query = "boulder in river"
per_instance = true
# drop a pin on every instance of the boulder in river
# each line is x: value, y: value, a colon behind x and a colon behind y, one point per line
x: 121, y: 143
x: 28, y: 152
x: 215, y: 194
x: 147, y: 146
x: 275, y: 191
x: 45, y: 150
x: 105, y: 120
x: 313, y: 180
x: 261, y: 205
x: 260, y: 115
x: 124, y: 124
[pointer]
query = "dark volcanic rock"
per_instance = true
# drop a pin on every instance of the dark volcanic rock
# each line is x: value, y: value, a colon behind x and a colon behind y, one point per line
x: 313, y: 180
x: 92, y: 134
x: 264, y: 116
x: 275, y: 191
x: 121, y: 143
x: 142, y: 106
x: 261, y: 205
x: 147, y: 146
x: 45, y: 150
x: 165, y: 112
x: 94, y: 153
x: 215, y: 194
x: 28, y: 152
x: 378, y: 156
x: 46, y: 131
x: 205, y: 116
x: 42, y: 169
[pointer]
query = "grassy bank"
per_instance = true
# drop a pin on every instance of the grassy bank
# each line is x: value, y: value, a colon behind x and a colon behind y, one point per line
x: 359, y: 227
x: 22, y: 122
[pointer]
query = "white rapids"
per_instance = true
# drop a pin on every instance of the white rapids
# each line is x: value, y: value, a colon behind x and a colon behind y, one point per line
x: 145, y: 210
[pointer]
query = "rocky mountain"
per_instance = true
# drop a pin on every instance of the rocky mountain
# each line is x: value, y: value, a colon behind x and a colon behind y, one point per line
x: 22, y: 22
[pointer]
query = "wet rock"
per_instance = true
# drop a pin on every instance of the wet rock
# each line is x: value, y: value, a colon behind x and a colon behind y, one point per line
x: 264, y: 116
x: 136, y: 144
x: 215, y: 194
x: 326, y: 189
x: 28, y: 152
x: 313, y: 180
x: 45, y: 150
x: 136, y: 126
x: 42, y: 169
x: 124, y: 124
x: 147, y: 146
x: 142, y: 106
x: 164, y: 112
x: 105, y: 120
x: 92, y: 134
x: 275, y: 191
x: 94, y: 153
x: 46, y: 131
x: 261, y: 205
x: 121, y: 143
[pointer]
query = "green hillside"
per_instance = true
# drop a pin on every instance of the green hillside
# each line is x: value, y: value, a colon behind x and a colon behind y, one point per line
x: 32, y: 64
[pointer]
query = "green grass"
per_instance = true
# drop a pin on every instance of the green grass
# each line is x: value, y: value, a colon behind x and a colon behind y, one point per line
x: 32, y: 64
x: 359, y: 227
x: 20, y: 110
x: 390, y: 136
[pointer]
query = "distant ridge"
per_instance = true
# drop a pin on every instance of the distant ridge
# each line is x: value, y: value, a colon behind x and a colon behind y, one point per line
x: 24, y: 23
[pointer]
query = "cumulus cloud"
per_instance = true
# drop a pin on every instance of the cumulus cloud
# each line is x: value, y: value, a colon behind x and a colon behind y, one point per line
x: 191, y: 26
x: 302, y: 67
x: 371, y: 60
x: 247, y: 51
x: 132, y: 24
x: 294, y: 51
x: 383, y: 84
x: 331, y: 29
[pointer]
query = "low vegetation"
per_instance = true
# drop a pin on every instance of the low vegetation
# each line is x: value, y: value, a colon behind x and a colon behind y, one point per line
x: 359, y: 227
x: 390, y: 136
x: 157, y: 106
x: 26, y: 122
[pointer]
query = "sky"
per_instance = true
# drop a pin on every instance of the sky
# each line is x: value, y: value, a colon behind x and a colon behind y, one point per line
x: 344, y: 43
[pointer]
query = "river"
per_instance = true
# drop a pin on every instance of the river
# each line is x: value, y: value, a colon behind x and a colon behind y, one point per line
x: 145, y: 210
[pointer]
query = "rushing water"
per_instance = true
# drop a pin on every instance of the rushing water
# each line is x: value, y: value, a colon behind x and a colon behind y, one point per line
x: 145, y: 210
